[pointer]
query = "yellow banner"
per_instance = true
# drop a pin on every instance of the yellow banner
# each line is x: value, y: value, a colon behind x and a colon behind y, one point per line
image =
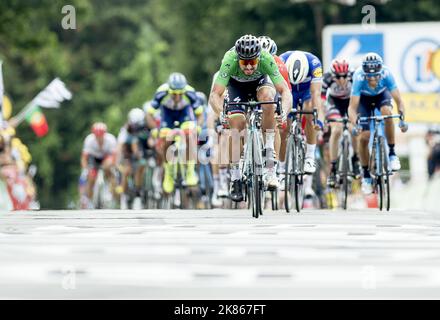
x: 421, y: 107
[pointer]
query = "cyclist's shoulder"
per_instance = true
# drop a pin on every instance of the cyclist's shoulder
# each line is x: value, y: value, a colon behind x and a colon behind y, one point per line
x: 386, y: 72
x: 327, y: 78
x: 163, y: 88
x: 110, y: 137
x: 230, y: 56
x: 359, y: 75
x: 285, y: 55
x: 313, y: 60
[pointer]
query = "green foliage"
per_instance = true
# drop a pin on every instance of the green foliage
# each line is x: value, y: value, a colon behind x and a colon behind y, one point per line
x: 122, y: 50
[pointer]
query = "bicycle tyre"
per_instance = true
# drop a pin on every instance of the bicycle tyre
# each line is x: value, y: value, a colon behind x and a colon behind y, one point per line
x: 288, y: 176
x: 384, y: 184
x: 344, y: 173
x: 299, y: 181
x: 256, y: 206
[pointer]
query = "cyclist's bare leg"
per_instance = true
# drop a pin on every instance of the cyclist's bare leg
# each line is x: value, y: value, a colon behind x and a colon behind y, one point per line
x: 267, y: 93
x: 237, y: 123
x: 108, y: 166
x: 277, y: 143
x: 90, y: 184
x: 309, y: 129
x: 336, y: 132
x: 389, y: 124
x: 364, y: 154
x: 126, y: 172
x: 283, y: 140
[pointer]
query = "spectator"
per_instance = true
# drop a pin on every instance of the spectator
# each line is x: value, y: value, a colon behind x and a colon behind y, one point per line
x: 432, y: 202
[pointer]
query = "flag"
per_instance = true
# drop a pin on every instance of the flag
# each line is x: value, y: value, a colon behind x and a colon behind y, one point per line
x: 52, y: 96
x: 37, y: 121
x: 2, y: 89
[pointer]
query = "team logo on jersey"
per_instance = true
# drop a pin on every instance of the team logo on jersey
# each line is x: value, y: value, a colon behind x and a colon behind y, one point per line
x: 317, y: 73
x: 224, y: 75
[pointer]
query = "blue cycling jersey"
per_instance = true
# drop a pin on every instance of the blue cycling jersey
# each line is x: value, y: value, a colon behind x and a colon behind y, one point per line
x: 314, y: 74
x: 360, y: 83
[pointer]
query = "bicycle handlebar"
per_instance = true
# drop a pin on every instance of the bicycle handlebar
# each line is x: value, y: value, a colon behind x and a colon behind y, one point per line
x: 380, y: 118
x: 339, y: 120
x: 251, y: 103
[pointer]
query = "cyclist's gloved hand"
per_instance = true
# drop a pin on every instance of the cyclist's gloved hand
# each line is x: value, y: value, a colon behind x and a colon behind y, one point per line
x: 356, y: 130
x: 319, y: 126
x: 402, y: 124
x: 224, y: 120
x: 142, y: 161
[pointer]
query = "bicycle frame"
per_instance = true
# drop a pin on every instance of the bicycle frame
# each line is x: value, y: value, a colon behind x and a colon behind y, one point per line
x: 253, y: 152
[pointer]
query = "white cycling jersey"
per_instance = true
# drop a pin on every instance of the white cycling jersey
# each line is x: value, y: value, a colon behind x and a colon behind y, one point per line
x: 91, y: 146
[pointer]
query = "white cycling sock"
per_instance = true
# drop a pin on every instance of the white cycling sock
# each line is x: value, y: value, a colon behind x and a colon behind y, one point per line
x: 310, y: 151
x: 216, y: 183
x: 281, y: 166
x: 223, y: 172
x: 235, y: 172
x: 270, y: 139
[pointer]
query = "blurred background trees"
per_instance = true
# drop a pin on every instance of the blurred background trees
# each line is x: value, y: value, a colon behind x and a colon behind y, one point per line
x: 122, y: 50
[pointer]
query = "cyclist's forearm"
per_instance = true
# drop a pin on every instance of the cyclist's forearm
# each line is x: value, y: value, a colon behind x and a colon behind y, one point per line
x: 286, y: 100
x: 399, y: 102
x: 215, y: 100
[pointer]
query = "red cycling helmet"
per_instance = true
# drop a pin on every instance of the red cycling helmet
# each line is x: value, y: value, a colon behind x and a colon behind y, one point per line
x: 339, y: 67
x: 99, y: 129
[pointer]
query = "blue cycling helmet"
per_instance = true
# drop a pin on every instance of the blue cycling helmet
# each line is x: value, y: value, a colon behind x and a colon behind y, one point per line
x: 177, y: 81
x: 372, y: 63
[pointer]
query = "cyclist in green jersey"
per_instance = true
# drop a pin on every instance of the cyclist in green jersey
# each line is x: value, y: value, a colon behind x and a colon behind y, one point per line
x: 250, y: 73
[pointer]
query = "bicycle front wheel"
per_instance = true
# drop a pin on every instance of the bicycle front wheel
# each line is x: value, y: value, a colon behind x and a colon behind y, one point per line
x: 344, y: 173
x: 289, y: 177
x: 384, y: 179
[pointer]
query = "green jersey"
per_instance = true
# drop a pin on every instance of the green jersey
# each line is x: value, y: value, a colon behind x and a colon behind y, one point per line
x: 230, y: 68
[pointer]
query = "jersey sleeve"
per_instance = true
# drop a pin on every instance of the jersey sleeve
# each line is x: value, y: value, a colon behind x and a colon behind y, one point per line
x: 87, y: 144
x: 389, y: 80
x: 195, y: 103
x: 315, y: 68
x: 226, y: 69
x: 161, y: 92
x: 283, y: 70
x: 270, y: 67
x: 357, y: 84
x: 326, y: 82
x: 285, y: 56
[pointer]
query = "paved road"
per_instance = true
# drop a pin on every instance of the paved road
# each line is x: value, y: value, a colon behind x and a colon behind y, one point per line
x: 219, y: 254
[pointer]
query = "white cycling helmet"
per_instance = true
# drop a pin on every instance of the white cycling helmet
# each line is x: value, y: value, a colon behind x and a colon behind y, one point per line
x: 136, y: 117
x: 268, y: 44
x: 297, y: 66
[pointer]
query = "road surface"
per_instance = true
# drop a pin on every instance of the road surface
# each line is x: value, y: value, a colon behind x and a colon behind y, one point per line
x: 219, y: 254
